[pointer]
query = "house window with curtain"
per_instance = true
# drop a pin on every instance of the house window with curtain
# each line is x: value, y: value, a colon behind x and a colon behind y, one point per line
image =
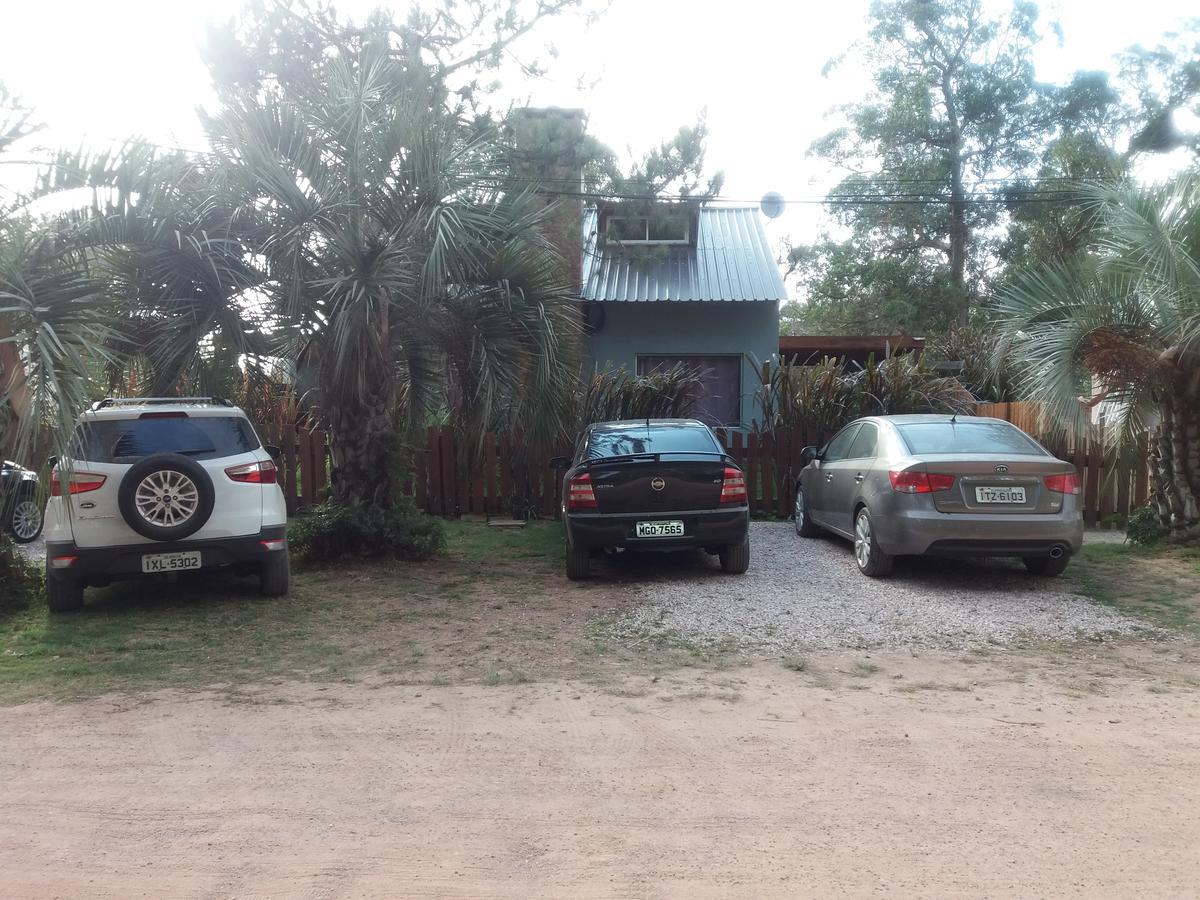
x: 720, y: 398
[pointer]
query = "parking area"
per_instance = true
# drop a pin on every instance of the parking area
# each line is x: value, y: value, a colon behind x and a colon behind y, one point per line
x: 802, y: 594
x: 806, y: 593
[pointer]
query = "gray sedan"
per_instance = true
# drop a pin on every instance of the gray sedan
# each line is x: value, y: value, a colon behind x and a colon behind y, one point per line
x: 939, y: 484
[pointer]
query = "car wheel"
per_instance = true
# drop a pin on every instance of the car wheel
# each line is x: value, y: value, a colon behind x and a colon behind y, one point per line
x: 871, y: 561
x: 805, y: 526
x: 166, y: 497
x: 1044, y: 565
x: 274, y: 577
x: 735, y: 558
x: 579, y: 563
x: 64, y: 594
x: 25, y: 522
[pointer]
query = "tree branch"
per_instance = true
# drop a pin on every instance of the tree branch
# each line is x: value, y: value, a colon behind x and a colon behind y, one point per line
x: 545, y: 10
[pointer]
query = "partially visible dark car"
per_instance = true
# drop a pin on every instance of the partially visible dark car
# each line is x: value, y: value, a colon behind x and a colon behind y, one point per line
x: 21, y: 513
x: 653, y: 484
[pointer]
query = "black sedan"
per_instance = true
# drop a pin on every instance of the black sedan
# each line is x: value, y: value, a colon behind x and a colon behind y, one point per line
x: 653, y: 484
x: 20, y: 506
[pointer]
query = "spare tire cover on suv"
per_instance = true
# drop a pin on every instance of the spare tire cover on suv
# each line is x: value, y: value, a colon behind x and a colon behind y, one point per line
x: 166, y: 497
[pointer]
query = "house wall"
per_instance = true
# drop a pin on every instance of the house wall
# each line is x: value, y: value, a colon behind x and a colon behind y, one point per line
x: 750, y: 329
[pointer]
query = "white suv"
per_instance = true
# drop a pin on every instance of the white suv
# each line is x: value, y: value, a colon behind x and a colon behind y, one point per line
x: 162, y: 485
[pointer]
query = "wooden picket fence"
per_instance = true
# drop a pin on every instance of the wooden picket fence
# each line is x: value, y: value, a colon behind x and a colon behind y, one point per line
x: 503, y: 477
x: 304, y: 463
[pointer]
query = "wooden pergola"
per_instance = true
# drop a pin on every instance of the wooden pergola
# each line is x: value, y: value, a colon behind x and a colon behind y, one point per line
x: 808, y: 349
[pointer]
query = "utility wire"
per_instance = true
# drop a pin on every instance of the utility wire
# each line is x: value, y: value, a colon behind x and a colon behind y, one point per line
x: 1022, y: 193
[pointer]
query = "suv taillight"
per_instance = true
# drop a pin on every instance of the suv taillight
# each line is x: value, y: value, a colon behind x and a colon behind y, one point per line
x: 733, y: 488
x: 253, y: 473
x: 1064, y: 484
x: 580, y: 494
x: 80, y: 482
x: 920, y: 482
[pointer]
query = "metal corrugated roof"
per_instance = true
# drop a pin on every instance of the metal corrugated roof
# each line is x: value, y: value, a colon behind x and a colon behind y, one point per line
x: 731, y: 261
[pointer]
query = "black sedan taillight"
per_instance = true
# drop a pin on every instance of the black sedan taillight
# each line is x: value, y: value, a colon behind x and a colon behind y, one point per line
x: 733, y: 488
x: 580, y: 494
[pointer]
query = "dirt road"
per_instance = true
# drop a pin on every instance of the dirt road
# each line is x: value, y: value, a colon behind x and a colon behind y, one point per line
x: 891, y: 775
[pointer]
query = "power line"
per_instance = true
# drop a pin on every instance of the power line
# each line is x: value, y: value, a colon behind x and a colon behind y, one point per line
x: 1018, y: 196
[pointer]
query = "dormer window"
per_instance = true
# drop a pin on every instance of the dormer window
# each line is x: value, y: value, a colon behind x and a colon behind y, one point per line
x: 667, y: 226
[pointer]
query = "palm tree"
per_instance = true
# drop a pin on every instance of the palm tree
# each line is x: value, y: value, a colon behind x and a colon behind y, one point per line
x: 397, y: 270
x: 135, y: 287
x: 1123, y: 326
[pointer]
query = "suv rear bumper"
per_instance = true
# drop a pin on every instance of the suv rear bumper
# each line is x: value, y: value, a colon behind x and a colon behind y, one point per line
x: 103, y: 563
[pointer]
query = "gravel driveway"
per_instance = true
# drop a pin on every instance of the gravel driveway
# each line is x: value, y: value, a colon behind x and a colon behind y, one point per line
x: 802, y: 593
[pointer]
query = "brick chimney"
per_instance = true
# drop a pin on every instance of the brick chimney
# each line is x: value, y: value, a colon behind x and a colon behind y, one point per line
x: 548, y: 148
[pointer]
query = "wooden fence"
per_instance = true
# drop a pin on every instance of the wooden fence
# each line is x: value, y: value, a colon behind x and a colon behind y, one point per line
x: 503, y: 478
x: 303, y: 464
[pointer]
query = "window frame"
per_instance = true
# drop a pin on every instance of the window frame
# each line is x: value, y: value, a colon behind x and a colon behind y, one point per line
x: 667, y: 242
x: 875, y: 444
x: 829, y: 443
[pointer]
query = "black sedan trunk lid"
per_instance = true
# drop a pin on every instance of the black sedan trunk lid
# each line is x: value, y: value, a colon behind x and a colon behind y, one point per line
x: 657, y: 483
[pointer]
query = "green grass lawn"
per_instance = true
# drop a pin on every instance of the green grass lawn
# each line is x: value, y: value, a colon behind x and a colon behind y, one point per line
x: 340, y: 623
x: 1159, y: 584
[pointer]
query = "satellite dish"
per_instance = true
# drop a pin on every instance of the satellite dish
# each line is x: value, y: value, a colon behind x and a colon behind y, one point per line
x: 771, y: 204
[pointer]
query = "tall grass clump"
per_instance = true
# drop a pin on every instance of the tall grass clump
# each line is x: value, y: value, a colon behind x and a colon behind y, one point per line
x: 611, y: 395
x: 822, y: 398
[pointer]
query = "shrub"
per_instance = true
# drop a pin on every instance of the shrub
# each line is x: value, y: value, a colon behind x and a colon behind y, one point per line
x: 825, y: 397
x: 336, y: 530
x: 986, y: 374
x: 1143, y: 527
x: 611, y: 395
x: 20, y: 580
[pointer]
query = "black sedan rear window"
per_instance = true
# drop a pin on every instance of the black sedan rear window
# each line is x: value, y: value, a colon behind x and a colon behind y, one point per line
x: 653, y: 439
x: 200, y: 437
x: 966, y: 437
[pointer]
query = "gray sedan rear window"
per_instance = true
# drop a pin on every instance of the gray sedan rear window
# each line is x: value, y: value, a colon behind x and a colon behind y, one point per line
x: 200, y: 437
x: 654, y: 439
x: 966, y: 437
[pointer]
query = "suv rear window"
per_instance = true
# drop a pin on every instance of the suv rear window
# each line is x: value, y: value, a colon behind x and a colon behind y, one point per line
x: 654, y: 439
x: 966, y: 437
x: 200, y: 437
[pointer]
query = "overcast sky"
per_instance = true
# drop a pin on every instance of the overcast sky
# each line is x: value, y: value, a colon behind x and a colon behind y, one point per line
x: 101, y: 70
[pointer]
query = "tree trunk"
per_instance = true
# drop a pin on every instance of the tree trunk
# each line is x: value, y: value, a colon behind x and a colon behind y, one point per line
x: 363, y: 443
x: 958, y: 232
x: 1175, y: 461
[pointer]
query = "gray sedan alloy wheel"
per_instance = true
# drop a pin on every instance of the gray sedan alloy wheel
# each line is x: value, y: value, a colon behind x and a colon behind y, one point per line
x: 862, y: 540
x: 871, y: 561
x: 805, y: 526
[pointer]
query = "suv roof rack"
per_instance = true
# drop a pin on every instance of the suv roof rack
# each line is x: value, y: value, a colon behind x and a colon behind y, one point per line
x: 155, y: 401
